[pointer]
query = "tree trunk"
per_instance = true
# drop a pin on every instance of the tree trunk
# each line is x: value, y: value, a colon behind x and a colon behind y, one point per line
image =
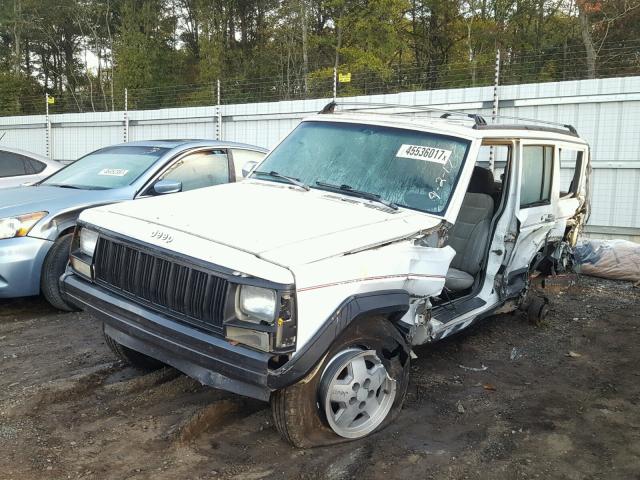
x: 305, y: 54
x: 587, y: 40
x: 338, y: 44
x: 17, y: 31
x: 112, y: 65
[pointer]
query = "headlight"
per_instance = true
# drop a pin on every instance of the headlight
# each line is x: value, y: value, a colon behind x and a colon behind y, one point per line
x: 88, y: 241
x: 19, y: 226
x: 257, y: 304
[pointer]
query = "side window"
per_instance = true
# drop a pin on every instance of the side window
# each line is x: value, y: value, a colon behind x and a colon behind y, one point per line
x: 11, y: 165
x: 570, y: 171
x: 537, y: 173
x: 240, y: 157
x: 201, y: 169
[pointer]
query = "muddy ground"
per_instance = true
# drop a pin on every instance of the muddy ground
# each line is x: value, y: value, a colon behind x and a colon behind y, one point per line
x: 557, y: 401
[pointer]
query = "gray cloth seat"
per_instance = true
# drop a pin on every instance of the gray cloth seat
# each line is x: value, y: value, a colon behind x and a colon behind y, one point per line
x: 469, y: 237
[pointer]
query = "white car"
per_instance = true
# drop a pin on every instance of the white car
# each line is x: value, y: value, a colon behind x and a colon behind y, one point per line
x: 360, y: 236
x: 18, y: 167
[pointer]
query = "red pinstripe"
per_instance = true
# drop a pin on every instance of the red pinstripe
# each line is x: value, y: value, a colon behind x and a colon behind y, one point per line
x: 366, y: 279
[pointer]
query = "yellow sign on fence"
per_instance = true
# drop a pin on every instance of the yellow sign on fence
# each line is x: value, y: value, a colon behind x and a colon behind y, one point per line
x: 344, y: 77
x: 51, y: 100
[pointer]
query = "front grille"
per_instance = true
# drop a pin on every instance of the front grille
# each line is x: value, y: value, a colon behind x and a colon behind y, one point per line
x: 175, y: 288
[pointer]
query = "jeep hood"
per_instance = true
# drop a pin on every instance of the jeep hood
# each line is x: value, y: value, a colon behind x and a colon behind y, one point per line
x: 278, y: 223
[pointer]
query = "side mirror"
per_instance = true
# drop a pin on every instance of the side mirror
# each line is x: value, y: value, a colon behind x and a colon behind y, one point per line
x: 162, y: 187
x: 248, y: 168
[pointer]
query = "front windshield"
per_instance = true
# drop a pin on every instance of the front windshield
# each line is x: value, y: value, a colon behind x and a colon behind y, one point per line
x: 412, y: 169
x: 111, y: 167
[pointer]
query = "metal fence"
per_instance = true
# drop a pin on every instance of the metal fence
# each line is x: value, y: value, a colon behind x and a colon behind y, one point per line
x: 605, y: 111
x: 559, y: 64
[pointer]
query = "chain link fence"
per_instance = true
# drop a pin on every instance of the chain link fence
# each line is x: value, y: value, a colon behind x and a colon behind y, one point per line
x: 563, y: 64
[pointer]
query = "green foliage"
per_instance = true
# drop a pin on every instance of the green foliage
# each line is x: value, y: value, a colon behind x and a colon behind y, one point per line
x: 13, y: 89
x: 171, y: 52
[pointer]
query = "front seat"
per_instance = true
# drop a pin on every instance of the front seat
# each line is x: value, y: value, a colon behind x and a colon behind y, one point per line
x: 470, y: 234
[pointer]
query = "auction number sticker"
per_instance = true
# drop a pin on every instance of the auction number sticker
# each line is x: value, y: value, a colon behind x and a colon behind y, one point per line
x: 427, y: 154
x: 113, y: 172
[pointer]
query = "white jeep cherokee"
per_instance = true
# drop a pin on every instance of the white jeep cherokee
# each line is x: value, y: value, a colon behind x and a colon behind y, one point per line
x: 359, y: 236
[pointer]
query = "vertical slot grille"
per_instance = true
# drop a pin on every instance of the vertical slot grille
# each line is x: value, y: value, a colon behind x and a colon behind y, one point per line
x: 164, y: 284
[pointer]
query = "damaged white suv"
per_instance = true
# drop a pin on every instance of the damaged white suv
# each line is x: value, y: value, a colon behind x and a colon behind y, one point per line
x: 361, y: 235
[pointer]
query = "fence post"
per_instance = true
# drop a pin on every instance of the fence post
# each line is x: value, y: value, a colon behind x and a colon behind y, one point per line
x: 218, y: 112
x: 494, y: 111
x: 335, y: 83
x: 126, y: 116
x: 47, y: 135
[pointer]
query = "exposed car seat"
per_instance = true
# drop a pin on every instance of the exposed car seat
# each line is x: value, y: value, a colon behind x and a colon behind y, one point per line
x: 470, y: 234
x: 482, y: 182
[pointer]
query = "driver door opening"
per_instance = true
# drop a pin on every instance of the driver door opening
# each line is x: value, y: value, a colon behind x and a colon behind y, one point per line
x: 471, y: 235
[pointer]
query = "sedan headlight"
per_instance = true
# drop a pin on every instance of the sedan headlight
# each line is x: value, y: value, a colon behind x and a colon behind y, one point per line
x: 88, y: 241
x: 256, y: 304
x: 20, y: 225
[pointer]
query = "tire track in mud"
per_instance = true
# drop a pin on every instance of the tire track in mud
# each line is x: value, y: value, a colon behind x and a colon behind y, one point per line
x: 213, y: 418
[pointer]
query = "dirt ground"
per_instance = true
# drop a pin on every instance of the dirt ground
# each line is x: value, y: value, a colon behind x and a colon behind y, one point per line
x: 557, y: 401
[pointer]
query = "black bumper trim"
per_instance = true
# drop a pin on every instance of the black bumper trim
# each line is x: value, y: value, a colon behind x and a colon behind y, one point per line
x: 208, y: 358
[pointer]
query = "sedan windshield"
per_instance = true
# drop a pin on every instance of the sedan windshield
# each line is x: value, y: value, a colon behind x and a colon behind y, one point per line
x: 111, y: 167
x: 408, y: 168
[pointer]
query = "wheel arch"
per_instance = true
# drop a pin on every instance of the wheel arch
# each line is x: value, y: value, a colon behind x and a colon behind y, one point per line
x: 389, y: 304
x: 66, y: 222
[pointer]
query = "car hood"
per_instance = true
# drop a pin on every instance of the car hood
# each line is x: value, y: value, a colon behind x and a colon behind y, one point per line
x: 38, y: 198
x: 278, y: 223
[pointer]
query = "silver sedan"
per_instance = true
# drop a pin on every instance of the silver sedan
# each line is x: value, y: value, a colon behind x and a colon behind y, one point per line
x: 18, y: 167
x: 37, y: 221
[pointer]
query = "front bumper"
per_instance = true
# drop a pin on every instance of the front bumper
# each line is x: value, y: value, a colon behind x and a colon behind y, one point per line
x: 20, y: 265
x: 208, y: 358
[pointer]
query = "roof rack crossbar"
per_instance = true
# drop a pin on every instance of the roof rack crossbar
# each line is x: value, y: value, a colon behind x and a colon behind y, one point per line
x: 569, y: 127
x: 479, y: 120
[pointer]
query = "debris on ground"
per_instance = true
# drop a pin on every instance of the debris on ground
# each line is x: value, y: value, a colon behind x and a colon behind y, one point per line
x: 474, y: 369
x: 515, y: 354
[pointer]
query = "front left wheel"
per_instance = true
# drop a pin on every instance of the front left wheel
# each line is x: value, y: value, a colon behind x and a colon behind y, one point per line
x: 357, y: 389
x: 52, y: 269
x: 130, y: 357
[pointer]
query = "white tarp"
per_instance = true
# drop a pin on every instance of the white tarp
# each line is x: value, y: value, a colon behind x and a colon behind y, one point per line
x: 615, y: 259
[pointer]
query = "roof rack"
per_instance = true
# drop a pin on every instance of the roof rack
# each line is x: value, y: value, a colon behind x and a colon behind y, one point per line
x: 478, y: 120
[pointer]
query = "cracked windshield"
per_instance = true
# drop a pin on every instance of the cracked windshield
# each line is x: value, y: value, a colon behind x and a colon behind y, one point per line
x: 411, y: 169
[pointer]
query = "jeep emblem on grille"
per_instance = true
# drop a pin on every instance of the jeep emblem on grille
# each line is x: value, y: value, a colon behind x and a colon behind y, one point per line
x: 160, y: 235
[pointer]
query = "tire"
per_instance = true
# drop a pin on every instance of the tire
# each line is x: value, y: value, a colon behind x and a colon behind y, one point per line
x: 131, y: 357
x: 537, y: 310
x: 300, y: 410
x: 52, y: 269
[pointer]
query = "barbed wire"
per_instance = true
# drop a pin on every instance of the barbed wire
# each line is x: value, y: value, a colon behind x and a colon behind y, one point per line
x: 568, y: 63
